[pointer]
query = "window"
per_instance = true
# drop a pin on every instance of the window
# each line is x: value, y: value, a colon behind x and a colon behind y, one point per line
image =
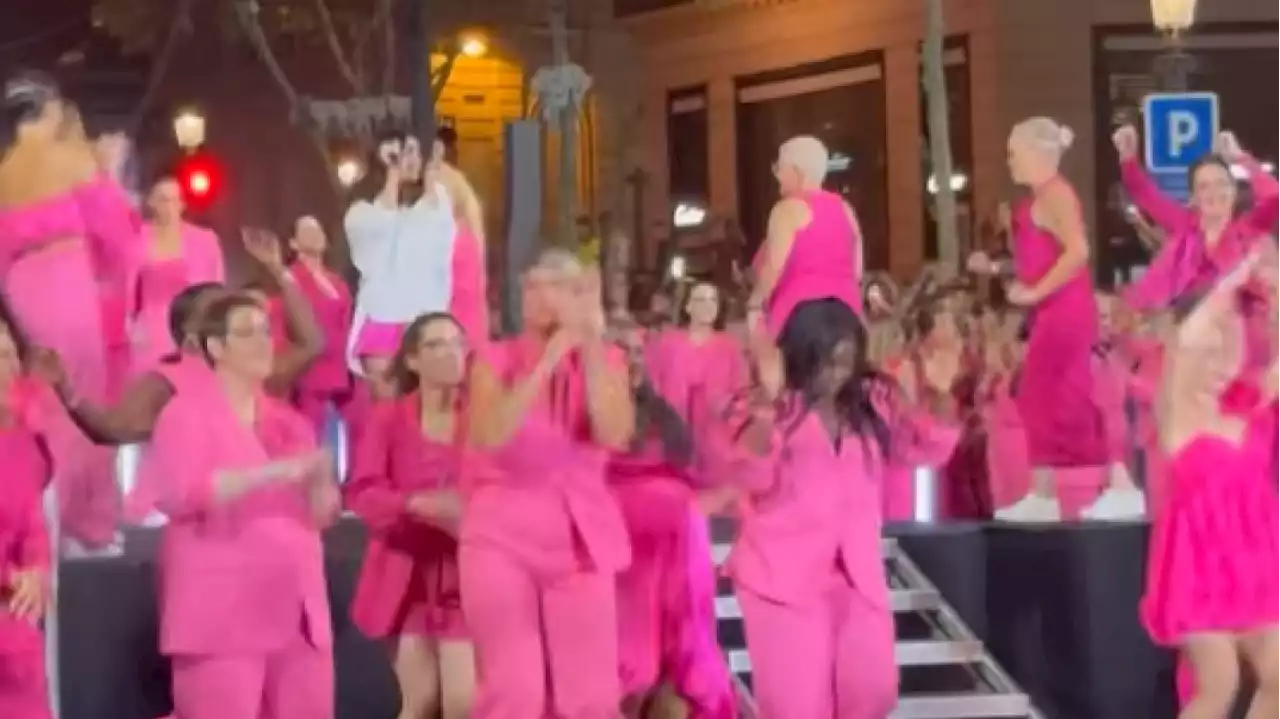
x: 689, y: 173
x: 955, y: 62
x: 842, y: 101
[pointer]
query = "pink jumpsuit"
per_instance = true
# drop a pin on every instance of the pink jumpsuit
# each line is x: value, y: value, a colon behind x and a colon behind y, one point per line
x: 542, y: 543
x: 159, y: 281
x: 1065, y: 429
x: 66, y: 266
x: 823, y: 263
x: 666, y: 598
x: 24, y: 545
x: 809, y: 571
x: 408, y: 581
x: 244, y: 612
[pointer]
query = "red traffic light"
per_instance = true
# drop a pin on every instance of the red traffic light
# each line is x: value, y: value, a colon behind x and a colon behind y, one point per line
x: 199, y: 177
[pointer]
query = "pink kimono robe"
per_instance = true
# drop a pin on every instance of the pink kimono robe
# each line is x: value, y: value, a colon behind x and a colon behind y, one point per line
x: 541, y: 544
x: 159, y: 281
x: 24, y: 545
x: 244, y: 612
x: 408, y: 581
x: 808, y: 568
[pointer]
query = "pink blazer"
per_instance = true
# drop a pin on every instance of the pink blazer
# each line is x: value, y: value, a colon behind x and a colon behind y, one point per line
x: 542, y: 498
x: 809, y: 504
x: 393, y: 461
x: 328, y: 373
x: 239, y: 577
x: 24, y: 541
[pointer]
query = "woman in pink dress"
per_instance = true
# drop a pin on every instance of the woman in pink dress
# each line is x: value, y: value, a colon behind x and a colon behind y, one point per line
x: 178, y: 254
x: 24, y: 542
x: 1207, y: 238
x: 244, y: 611
x: 1008, y: 471
x: 814, y: 246
x: 327, y: 382
x: 810, y: 451
x: 542, y: 537
x: 1066, y: 435
x: 67, y: 228
x: 1213, y: 583
x: 403, y: 485
x: 666, y: 598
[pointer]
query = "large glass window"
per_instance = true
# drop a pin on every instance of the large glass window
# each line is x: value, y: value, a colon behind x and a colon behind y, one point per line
x: 1235, y: 61
x: 689, y: 174
x: 955, y: 61
x: 841, y: 101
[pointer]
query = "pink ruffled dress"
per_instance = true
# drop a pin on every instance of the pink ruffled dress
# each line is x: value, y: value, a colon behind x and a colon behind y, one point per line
x: 1213, y: 564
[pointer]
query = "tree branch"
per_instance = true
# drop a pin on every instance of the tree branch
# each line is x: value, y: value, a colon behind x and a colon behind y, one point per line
x: 247, y: 14
x: 160, y: 63
x: 335, y: 46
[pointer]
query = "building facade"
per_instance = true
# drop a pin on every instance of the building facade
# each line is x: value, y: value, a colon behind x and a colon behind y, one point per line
x: 733, y: 78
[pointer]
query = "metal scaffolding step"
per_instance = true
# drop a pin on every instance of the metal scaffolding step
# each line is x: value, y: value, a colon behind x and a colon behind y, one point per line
x: 940, y: 643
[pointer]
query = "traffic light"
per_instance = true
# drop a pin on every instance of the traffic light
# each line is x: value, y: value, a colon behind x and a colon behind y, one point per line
x: 200, y: 179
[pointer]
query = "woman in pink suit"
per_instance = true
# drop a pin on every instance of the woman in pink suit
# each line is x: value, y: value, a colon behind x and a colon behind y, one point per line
x: 244, y: 611
x: 66, y: 226
x: 24, y: 542
x: 1213, y: 586
x: 1066, y: 435
x: 178, y: 254
x: 403, y: 485
x: 666, y: 597
x: 814, y: 246
x: 807, y: 563
x: 542, y: 538
x: 327, y: 382
x: 1206, y: 239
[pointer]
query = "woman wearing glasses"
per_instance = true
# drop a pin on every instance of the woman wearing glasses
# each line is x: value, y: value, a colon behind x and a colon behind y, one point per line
x: 403, y: 485
x: 244, y: 609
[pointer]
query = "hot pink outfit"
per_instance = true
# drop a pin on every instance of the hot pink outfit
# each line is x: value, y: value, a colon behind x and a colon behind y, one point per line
x: 1064, y: 426
x: 244, y: 612
x: 1185, y: 263
x: 1008, y: 470
x: 897, y: 486
x: 159, y: 281
x: 1213, y: 557
x: 62, y: 296
x: 542, y: 543
x: 809, y: 571
x: 666, y: 598
x: 408, y: 581
x: 469, y: 302
x: 24, y: 544
x: 327, y: 381
x: 823, y: 263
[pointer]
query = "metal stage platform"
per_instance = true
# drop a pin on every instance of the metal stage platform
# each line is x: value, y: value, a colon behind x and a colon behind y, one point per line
x: 1055, y: 605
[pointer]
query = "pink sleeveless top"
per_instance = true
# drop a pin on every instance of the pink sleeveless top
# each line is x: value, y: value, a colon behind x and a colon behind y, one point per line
x: 822, y: 263
x: 1035, y: 251
x: 328, y: 373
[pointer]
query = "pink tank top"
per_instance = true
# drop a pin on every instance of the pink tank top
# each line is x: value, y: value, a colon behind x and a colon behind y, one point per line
x: 823, y: 261
x: 1035, y: 251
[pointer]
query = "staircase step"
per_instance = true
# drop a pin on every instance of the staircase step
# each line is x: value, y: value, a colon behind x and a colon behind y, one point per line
x: 962, y: 706
x: 935, y: 653
x: 903, y: 600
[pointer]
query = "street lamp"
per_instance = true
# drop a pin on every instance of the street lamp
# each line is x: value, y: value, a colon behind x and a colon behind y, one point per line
x: 473, y: 45
x: 349, y: 171
x: 959, y: 181
x: 188, y: 129
x: 1173, y: 17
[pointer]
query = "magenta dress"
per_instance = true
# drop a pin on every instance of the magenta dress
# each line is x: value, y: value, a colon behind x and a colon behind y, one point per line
x: 66, y: 265
x: 327, y: 380
x: 1064, y: 426
x: 666, y: 598
x: 24, y: 544
x: 408, y: 583
x: 1185, y: 263
x: 823, y: 262
x: 1213, y: 562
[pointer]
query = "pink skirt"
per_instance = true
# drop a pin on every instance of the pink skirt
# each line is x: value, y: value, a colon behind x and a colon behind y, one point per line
x: 379, y: 339
x: 1213, y: 564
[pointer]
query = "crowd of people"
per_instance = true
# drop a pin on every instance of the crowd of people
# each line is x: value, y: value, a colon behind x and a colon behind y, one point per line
x: 536, y: 505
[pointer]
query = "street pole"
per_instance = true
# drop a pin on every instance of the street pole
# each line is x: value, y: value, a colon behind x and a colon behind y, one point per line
x: 935, y: 93
x: 418, y: 51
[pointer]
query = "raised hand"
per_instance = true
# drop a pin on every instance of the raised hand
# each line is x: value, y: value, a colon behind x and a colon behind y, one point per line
x: 1228, y: 147
x: 263, y: 246
x: 1126, y: 141
x: 112, y: 151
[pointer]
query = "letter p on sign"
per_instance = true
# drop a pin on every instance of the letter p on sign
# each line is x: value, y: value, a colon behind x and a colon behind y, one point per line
x: 1179, y: 128
x: 1184, y: 128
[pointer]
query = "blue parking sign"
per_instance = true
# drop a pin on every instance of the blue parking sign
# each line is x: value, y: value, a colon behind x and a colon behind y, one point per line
x: 1180, y: 128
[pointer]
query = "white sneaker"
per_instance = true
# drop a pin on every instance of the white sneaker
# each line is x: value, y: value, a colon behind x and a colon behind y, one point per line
x: 1117, y: 505
x: 1031, y: 509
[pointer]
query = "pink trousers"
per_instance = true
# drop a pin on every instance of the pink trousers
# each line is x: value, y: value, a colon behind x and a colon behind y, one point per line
x: 532, y: 634
x: 294, y: 683
x: 23, y: 691
x: 833, y: 657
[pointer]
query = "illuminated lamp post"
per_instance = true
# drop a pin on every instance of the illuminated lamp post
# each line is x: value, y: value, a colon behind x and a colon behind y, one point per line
x: 1172, y: 19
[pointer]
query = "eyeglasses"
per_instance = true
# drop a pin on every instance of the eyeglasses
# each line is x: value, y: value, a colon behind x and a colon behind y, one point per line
x: 441, y: 345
